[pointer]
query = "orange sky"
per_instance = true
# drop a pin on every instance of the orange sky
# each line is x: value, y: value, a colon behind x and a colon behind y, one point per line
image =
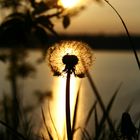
x: 100, y: 18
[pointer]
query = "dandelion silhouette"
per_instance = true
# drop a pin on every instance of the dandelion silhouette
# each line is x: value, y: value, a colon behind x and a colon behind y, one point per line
x: 70, y: 61
x: 68, y: 57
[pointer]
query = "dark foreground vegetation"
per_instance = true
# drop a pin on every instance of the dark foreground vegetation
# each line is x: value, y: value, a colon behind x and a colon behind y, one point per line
x: 31, y: 28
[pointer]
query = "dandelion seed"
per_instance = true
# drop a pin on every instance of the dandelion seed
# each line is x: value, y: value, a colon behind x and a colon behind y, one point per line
x: 70, y: 55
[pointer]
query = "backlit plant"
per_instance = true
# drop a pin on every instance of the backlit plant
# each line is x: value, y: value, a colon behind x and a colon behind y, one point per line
x: 69, y: 57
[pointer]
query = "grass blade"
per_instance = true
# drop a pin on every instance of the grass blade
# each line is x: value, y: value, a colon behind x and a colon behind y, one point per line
x: 129, y: 37
x: 85, y: 132
x: 113, y: 98
x: 97, y: 95
x: 14, y: 132
x: 75, y: 110
x: 44, y: 120
x: 53, y: 122
x: 99, y: 99
x: 90, y: 113
x: 96, y: 121
x: 105, y: 114
x: 129, y: 107
x: 83, y: 135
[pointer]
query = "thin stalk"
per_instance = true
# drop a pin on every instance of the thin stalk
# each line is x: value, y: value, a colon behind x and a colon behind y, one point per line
x: 97, y: 94
x: 13, y: 131
x: 129, y: 37
x: 52, y: 121
x: 68, y: 119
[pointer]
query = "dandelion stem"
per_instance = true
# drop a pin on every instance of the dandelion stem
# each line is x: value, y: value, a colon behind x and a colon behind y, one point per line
x: 68, y: 119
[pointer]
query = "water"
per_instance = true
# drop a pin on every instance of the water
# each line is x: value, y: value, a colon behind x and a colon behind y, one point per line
x: 109, y: 70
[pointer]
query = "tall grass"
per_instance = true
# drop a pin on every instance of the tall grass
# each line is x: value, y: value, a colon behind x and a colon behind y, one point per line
x: 127, y: 32
x: 101, y: 130
x: 18, y: 126
x: 104, y: 127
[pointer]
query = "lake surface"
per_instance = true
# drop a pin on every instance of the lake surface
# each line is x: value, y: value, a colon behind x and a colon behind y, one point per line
x: 109, y: 70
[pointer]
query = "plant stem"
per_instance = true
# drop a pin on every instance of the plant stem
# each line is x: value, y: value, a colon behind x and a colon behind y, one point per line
x: 129, y: 37
x: 14, y: 89
x: 68, y: 119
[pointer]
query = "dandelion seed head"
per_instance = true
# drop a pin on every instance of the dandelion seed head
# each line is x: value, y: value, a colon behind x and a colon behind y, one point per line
x: 75, y: 55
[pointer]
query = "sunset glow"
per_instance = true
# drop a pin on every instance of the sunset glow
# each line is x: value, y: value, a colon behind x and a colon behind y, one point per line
x: 59, y: 101
x: 69, y: 3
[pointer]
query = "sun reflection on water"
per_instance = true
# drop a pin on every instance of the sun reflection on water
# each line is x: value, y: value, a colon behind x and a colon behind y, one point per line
x: 58, y: 103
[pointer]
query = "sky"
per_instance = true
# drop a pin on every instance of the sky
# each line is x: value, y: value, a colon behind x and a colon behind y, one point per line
x: 101, y: 19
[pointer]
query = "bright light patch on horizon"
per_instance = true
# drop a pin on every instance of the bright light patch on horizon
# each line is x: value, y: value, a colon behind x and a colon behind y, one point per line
x: 69, y: 3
